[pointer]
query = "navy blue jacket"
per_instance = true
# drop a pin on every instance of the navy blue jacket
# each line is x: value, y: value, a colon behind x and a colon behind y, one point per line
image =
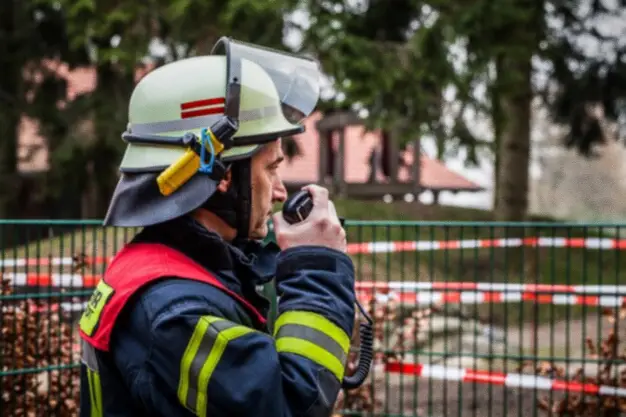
x: 185, y: 348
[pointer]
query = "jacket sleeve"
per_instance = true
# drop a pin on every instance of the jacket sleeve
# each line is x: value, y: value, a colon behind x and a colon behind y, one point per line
x: 86, y: 397
x: 217, y: 367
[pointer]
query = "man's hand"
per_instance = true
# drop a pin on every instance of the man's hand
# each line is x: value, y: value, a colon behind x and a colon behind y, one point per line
x: 321, y: 228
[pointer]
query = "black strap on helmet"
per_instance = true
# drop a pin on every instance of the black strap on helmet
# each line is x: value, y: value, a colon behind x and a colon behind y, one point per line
x: 235, y: 205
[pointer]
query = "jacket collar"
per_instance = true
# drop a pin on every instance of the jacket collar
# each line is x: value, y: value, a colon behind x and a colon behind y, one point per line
x: 250, y: 261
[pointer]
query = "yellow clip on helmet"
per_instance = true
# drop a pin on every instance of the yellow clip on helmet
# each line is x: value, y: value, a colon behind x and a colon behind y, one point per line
x: 224, y: 106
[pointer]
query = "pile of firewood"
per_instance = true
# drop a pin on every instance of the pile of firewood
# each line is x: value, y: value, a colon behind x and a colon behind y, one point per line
x: 609, y: 370
x: 36, y: 351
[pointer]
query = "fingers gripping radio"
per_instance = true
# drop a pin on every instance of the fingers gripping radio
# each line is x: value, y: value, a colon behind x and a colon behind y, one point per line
x: 296, y: 209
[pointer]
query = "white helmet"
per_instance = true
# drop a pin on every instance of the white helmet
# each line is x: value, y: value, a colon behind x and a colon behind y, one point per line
x: 189, y: 119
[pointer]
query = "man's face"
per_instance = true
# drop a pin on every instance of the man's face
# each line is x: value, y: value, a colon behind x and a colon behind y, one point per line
x: 267, y: 187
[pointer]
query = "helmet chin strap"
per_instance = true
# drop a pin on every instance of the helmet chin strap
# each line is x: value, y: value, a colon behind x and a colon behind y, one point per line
x: 235, y: 205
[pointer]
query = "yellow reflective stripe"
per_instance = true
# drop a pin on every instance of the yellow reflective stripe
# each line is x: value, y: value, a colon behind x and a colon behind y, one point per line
x: 314, y: 337
x: 190, y: 353
x: 315, y: 321
x: 95, y: 393
x: 91, y: 316
x: 212, y: 361
x: 313, y: 352
x: 203, y: 353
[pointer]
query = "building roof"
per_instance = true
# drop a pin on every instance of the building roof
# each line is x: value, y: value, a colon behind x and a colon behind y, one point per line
x: 436, y: 176
x: 359, y: 144
x: 304, y: 168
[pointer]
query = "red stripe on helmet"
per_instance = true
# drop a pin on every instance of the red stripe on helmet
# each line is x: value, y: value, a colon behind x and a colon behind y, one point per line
x: 202, y: 103
x: 201, y: 112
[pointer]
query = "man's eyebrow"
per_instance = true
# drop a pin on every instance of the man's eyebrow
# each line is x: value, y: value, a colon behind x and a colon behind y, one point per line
x: 277, y: 161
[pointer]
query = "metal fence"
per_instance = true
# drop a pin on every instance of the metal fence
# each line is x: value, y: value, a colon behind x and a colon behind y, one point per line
x: 472, y: 319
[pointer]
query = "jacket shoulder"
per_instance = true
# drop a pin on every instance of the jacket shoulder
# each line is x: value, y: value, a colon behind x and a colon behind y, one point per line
x: 160, y: 304
x: 173, y: 295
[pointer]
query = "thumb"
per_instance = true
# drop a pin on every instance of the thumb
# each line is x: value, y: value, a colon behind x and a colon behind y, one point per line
x: 333, y: 212
x: 319, y: 195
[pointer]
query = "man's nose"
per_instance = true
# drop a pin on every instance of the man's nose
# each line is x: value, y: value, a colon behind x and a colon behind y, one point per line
x: 279, y: 192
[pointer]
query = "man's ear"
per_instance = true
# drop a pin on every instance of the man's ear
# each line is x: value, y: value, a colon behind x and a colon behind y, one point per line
x: 225, y: 182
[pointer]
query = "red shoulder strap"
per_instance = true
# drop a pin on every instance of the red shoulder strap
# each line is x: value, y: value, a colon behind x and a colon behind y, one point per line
x: 175, y: 263
x: 136, y: 265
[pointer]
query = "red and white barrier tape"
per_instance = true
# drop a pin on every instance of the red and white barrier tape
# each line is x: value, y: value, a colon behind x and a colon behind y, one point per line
x: 54, y: 261
x: 413, y: 293
x: 389, y: 247
x: 427, y: 245
x: 511, y: 380
x: 71, y: 281
x: 385, y: 286
x: 478, y: 297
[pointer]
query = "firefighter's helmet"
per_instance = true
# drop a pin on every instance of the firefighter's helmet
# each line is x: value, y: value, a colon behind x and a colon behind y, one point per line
x: 190, y: 118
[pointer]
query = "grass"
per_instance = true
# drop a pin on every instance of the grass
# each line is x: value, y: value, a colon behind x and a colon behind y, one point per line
x: 516, y: 265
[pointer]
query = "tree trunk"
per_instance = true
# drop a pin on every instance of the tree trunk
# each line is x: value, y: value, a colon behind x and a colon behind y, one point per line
x: 340, y: 165
x: 416, y: 169
x: 10, y: 106
x: 114, y: 87
x: 496, y: 120
x: 516, y: 93
x: 91, y: 207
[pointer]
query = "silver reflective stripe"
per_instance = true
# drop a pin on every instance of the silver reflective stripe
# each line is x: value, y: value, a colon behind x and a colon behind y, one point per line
x: 206, y: 345
x: 89, y: 356
x: 174, y: 125
x: 314, y: 336
x: 199, y: 122
x: 257, y: 114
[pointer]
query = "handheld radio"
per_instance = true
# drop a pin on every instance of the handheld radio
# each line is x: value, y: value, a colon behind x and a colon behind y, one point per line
x: 297, y: 208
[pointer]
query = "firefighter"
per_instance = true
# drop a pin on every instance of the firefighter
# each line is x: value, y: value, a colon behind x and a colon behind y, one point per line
x: 177, y: 326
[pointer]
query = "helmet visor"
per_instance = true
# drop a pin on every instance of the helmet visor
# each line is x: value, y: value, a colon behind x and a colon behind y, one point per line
x: 296, y: 78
